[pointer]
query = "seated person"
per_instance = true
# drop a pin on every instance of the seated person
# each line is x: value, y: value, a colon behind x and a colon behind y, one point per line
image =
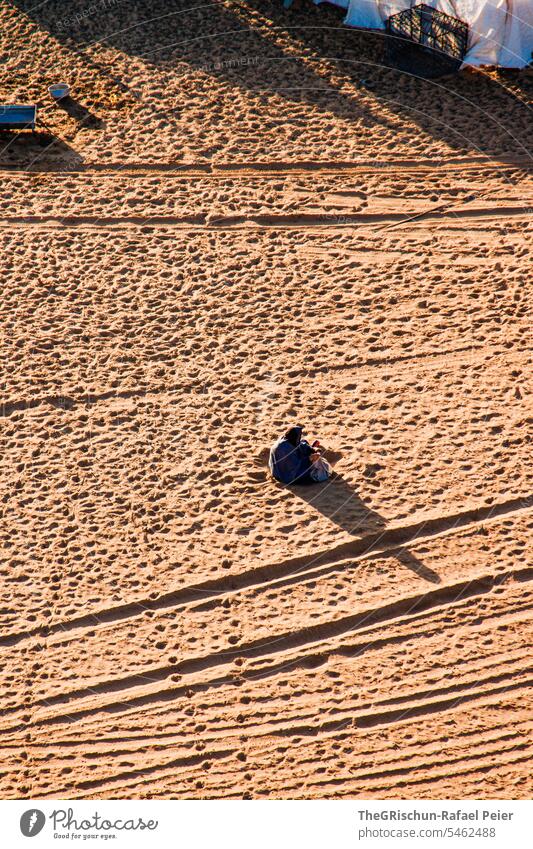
x: 293, y: 460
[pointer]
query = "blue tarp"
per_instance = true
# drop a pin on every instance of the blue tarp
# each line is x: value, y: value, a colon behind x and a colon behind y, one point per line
x: 17, y: 116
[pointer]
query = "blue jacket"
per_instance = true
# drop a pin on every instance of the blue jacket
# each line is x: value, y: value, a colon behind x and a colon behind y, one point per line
x: 289, y: 463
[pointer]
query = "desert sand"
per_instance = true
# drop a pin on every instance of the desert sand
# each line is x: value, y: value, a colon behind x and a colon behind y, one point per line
x: 237, y: 224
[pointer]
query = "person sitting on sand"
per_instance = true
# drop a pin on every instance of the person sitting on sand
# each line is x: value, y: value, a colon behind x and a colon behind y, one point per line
x: 293, y: 460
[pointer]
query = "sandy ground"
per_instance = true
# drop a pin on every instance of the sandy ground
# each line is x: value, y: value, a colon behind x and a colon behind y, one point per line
x: 224, y: 233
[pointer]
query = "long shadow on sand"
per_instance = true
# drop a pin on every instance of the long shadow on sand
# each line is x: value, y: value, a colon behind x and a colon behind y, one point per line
x: 339, y: 502
x: 80, y: 113
x: 39, y: 151
x: 240, y: 46
x: 221, y: 43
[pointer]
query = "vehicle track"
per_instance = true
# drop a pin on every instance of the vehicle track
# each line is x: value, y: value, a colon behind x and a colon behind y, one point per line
x: 248, y: 221
x: 381, y: 541
x: 266, y: 169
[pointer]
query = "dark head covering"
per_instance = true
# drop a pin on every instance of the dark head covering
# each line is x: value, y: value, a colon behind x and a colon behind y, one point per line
x: 294, y: 435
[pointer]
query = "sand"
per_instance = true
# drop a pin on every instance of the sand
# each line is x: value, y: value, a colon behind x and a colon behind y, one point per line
x: 219, y: 237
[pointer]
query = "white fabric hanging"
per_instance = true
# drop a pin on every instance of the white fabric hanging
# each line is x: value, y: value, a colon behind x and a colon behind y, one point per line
x: 500, y: 31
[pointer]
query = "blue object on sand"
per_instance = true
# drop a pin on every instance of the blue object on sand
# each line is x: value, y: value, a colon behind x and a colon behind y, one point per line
x: 21, y: 116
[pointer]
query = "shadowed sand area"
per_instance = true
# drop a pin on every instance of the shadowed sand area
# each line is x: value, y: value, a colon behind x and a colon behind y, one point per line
x: 239, y: 221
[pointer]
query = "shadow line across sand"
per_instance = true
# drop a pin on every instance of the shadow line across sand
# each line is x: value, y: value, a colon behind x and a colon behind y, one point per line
x: 338, y: 501
x: 241, y: 46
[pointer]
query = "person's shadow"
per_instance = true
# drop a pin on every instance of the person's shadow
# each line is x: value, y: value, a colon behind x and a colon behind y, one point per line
x: 339, y: 502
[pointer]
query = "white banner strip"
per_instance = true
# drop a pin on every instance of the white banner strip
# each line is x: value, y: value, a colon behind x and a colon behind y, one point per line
x: 268, y: 825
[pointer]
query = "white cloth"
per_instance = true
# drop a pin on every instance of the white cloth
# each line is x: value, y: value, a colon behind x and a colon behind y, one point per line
x: 500, y: 31
x: 320, y: 470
